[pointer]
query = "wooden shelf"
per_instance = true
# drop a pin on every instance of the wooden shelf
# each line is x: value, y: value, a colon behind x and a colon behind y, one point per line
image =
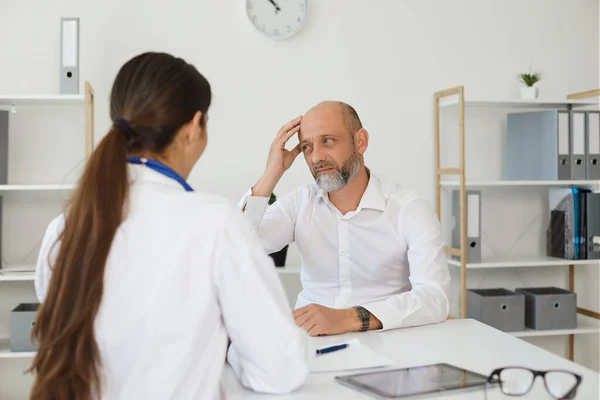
x: 41, y: 99
x: 522, y: 262
x: 506, y: 183
x: 35, y: 188
x: 517, y: 103
x: 6, y: 353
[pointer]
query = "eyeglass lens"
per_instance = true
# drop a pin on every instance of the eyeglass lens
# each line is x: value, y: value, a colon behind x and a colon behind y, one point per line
x: 518, y: 381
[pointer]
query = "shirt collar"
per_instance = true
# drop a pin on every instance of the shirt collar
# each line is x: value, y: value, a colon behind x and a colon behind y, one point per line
x: 372, y: 197
x: 141, y: 174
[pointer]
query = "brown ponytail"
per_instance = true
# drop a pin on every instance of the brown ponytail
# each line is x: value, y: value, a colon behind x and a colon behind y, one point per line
x: 67, y: 361
x: 157, y: 93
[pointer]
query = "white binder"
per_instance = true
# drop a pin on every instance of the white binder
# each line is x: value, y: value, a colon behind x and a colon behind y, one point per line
x: 69, y: 60
x: 578, y: 145
x: 593, y: 145
x: 473, y: 207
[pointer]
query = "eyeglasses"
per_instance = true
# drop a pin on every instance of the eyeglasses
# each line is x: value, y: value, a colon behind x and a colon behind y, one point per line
x: 518, y: 381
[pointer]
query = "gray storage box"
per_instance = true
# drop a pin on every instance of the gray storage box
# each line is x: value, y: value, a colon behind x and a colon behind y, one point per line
x: 21, y: 324
x: 499, y: 308
x: 549, y: 308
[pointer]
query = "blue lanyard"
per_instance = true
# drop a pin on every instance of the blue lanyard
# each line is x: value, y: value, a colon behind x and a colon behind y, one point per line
x: 162, y: 169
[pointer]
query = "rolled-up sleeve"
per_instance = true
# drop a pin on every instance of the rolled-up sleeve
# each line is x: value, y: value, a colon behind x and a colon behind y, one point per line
x: 427, y: 301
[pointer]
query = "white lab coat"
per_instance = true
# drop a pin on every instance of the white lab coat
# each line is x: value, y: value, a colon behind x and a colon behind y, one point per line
x: 185, y: 272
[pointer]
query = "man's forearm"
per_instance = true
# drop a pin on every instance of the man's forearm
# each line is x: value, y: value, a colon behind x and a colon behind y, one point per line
x: 266, y: 184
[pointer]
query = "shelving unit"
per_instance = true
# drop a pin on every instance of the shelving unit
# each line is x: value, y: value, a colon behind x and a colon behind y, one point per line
x: 454, y: 99
x: 485, y: 184
x: 585, y: 325
x: 35, y: 188
x: 6, y: 353
x: 13, y: 102
x: 42, y: 99
x: 17, y: 277
x: 521, y: 262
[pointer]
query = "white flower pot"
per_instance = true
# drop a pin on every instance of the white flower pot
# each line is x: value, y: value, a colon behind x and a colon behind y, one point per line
x: 529, y: 93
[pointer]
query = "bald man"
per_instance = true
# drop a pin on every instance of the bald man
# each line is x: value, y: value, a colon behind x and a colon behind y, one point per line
x: 372, y: 251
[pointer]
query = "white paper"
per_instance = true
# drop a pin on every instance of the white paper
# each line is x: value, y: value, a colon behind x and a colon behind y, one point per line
x: 355, y: 356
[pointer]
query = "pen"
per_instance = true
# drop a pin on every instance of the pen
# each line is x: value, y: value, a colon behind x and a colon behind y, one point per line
x: 332, y: 348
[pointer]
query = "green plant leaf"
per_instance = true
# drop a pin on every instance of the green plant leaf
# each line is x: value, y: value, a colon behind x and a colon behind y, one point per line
x: 530, y: 79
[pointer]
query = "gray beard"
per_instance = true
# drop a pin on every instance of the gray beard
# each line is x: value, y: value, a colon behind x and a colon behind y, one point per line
x: 336, y: 180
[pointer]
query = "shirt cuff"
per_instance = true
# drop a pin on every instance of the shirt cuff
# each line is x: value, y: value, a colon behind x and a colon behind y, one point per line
x: 389, y: 316
x: 254, y: 207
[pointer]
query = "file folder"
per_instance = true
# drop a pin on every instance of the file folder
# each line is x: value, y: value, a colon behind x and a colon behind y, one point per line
x: 593, y: 145
x: 473, y: 244
x: 69, y: 51
x: 593, y: 226
x: 1, y: 234
x: 578, y: 145
x: 567, y: 227
x: 538, y: 145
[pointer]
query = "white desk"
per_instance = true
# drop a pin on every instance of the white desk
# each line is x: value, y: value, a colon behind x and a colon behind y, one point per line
x: 465, y: 343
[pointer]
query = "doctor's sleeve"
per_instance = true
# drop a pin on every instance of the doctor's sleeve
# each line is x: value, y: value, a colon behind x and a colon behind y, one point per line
x: 268, y: 352
x: 274, y: 223
x: 48, y: 251
x: 427, y: 301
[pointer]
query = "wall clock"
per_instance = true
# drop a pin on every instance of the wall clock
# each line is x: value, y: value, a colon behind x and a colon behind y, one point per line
x: 278, y: 19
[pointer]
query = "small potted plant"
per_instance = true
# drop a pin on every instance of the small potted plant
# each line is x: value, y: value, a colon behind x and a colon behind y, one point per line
x: 278, y: 257
x: 530, y: 91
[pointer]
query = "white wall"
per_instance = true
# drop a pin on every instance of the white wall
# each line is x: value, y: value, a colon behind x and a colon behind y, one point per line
x: 385, y: 57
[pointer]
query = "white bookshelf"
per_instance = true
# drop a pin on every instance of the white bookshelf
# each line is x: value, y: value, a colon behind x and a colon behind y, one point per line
x: 6, y: 353
x: 523, y: 262
x: 585, y: 325
x: 29, y: 192
x: 17, y: 276
x: 543, y: 103
x: 454, y: 102
x: 475, y: 184
x: 41, y: 99
x: 36, y: 188
x: 10, y: 276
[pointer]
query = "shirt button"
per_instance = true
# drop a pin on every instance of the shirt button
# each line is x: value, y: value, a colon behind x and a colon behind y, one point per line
x: 345, y: 253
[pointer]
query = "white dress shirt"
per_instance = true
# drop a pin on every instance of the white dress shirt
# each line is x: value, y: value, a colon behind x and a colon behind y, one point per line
x: 185, y: 272
x: 387, y: 255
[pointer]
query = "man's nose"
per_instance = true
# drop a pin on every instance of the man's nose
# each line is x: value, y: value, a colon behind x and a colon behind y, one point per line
x: 318, y: 155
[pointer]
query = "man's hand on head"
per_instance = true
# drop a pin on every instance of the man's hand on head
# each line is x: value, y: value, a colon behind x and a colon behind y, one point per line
x: 319, y: 320
x: 279, y: 159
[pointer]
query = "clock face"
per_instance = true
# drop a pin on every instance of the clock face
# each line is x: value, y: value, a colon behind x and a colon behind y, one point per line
x: 278, y: 19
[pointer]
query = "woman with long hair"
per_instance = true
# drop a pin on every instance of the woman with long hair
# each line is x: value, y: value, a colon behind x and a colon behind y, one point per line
x: 143, y: 281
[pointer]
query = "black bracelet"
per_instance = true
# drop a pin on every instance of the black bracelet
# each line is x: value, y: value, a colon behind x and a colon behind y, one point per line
x: 365, y: 318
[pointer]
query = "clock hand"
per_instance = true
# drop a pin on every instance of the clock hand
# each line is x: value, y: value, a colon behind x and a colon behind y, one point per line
x: 277, y: 9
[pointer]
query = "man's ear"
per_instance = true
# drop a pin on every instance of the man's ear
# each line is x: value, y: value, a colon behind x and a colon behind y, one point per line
x: 361, y: 141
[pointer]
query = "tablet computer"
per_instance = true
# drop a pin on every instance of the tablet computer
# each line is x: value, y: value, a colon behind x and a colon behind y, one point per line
x: 415, y: 382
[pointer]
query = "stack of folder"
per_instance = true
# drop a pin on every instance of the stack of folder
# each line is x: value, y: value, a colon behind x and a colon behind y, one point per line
x: 553, y: 145
x: 574, y: 228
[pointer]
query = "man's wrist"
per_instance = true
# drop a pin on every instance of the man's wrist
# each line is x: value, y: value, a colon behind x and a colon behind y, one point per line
x: 354, y: 321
